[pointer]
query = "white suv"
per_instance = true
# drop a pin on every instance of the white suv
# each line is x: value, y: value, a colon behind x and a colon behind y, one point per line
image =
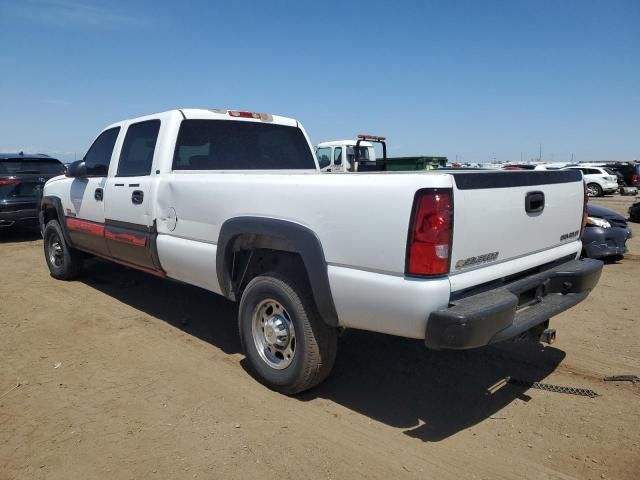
x: 599, y: 180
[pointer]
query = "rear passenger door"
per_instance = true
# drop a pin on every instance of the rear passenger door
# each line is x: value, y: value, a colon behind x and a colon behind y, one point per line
x: 129, y: 229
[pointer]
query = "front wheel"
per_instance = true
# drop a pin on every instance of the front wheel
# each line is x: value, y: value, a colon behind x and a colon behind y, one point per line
x: 64, y: 262
x: 289, y: 347
x: 594, y: 190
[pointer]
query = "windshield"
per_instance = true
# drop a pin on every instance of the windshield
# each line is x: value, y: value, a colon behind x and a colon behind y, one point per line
x: 31, y: 165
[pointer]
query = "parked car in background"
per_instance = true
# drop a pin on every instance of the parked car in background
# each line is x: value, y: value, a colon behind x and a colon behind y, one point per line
x: 599, y: 180
x: 634, y: 212
x: 630, y: 172
x: 22, y: 176
x: 605, y: 234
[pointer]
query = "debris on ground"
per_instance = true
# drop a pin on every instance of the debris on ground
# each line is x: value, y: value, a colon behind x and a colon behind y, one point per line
x: 623, y: 378
x: 583, y: 392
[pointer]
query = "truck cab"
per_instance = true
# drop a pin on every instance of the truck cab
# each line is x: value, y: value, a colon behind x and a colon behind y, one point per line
x: 340, y: 155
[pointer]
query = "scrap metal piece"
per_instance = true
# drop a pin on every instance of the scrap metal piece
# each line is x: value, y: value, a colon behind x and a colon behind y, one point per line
x: 623, y: 378
x: 583, y: 392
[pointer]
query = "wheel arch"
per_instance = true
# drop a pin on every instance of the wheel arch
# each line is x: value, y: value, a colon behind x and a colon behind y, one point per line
x: 50, y: 208
x: 251, y: 233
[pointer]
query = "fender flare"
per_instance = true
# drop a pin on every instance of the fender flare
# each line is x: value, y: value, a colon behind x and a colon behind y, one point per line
x: 286, y: 236
x: 49, y: 201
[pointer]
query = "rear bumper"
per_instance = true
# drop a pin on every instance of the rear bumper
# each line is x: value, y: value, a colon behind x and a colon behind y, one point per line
x: 505, y: 312
x: 10, y: 215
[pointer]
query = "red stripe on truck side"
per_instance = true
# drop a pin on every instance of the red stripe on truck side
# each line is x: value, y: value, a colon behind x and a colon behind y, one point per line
x: 92, y: 228
x: 138, y: 241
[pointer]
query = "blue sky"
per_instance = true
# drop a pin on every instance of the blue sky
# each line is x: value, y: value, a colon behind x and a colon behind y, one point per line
x: 477, y: 79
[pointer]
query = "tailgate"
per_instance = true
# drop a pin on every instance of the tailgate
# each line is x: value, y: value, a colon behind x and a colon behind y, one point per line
x: 505, y: 215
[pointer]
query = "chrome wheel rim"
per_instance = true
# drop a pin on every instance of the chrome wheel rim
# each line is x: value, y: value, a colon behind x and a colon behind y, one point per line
x: 56, y: 256
x: 592, y: 191
x: 273, y: 334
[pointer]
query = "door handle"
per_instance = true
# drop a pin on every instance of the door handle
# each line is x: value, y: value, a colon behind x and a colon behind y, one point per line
x: 137, y: 196
x: 98, y: 194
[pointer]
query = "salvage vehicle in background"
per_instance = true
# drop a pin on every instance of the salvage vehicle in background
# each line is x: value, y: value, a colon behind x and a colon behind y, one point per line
x: 634, y: 212
x: 22, y: 177
x: 599, y: 180
x: 234, y: 202
x: 340, y: 155
x: 630, y: 172
x: 606, y: 233
x: 360, y: 156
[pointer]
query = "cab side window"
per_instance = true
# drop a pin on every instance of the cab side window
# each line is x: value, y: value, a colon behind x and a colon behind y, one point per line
x: 98, y: 157
x: 324, y: 157
x: 139, y: 145
x: 337, y: 156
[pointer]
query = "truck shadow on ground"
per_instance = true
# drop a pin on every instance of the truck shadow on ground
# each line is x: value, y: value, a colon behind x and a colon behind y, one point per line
x: 195, y: 311
x: 396, y: 381
x: 431, y: 395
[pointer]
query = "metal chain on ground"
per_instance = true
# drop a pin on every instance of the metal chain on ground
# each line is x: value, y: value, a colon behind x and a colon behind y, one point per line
x: 584, y: 392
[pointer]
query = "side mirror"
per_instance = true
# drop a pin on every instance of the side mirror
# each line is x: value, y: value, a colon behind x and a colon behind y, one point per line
x: 77, y: 169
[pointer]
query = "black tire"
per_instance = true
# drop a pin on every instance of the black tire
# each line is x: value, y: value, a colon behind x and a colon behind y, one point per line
x: 315, y: 342
x: 594, y: 190
x: 64, y: 262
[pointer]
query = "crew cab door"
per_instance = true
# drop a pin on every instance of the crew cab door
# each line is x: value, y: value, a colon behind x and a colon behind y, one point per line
x: 129, y: 229
x: 84, y: 207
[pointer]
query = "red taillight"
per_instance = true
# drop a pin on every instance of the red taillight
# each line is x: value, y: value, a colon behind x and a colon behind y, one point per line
x: 244, y: 114
x: 430, y: 233
x: 9, y: 181
x: 584, y: 209
x: 634, y: 179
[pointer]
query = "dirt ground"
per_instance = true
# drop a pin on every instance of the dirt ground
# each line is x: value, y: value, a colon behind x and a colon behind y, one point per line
x: 125, y: 376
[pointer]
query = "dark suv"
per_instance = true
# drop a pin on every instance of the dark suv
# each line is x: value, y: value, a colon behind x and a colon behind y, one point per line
x: 22, y: 177
x: 630, y: 172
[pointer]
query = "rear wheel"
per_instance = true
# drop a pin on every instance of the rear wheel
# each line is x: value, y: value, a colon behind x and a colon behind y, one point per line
x: 64, y: 263
x: 289, y: 347
x: 594, y: 190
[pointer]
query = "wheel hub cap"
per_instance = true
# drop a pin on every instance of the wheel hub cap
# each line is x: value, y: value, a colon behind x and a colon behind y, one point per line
x: 55, y: 251
x: 273, y: 334
x: 276, y: 331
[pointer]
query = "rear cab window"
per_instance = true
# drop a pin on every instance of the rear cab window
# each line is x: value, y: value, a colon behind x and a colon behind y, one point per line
x: 240, y: 145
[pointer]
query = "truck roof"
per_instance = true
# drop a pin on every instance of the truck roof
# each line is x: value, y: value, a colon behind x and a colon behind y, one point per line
x: 220, y: 114
x: 337, y: 143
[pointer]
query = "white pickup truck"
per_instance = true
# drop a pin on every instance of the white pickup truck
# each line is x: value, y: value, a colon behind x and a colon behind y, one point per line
x: 234, y: 202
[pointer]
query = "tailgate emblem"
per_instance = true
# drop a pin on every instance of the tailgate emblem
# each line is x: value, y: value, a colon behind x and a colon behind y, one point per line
x: 468, y: 262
